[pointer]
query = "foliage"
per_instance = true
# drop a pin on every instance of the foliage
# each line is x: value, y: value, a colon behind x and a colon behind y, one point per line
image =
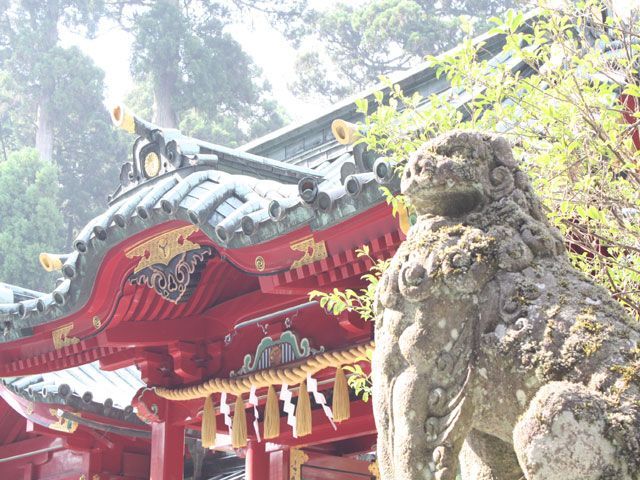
x: 360, y: 380
x: 364, y: 40
x: 30, y: 218
x: 338, y: 301
x: 565, y: 120
x: 194, y: 75
x: 40, y: 79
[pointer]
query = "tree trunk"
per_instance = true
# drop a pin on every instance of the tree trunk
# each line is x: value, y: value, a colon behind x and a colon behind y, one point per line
x: 164, y: 115
x: 44, y: 134
x: 44, y: 121
x: 164, y: 81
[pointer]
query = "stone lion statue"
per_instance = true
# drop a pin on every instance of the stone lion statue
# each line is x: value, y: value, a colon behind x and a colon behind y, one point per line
x: 493, y: 354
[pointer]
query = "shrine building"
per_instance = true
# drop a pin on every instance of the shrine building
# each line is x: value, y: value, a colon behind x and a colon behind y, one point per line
x: 180, y: 340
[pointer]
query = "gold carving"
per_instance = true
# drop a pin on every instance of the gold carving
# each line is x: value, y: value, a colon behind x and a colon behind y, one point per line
x: 163, y: 248
x: 151, y: 165
x: 260, y: 263
x: 296, y: 459
x: 374, y: 470
x: 312, y: 251
x: 97, y: 323
x: 62, y: 425
x: 29, y: 408
x: 61, y: 336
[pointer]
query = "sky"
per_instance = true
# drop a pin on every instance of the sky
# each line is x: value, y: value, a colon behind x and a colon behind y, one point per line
x: 110, y: 50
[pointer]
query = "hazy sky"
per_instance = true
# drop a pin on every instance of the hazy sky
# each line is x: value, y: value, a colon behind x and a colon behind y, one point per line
x: 110, y: 50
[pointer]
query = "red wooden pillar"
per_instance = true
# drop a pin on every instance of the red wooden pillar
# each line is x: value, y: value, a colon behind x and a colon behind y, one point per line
x: 279, y: 465
x: 256, y: 461
x: 167, y: 451
x: 167, y: 434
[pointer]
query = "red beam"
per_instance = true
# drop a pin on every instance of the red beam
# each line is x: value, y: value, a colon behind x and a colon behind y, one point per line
x: 159, y: 332
x: 321, y: 466
x: 19, y: 426
x: 32, y: 446
x: 355, y: 446
x: 361, y: 423
x: 120, y: 359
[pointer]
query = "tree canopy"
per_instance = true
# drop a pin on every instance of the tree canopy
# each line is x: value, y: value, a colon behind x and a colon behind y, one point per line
x: 362, y: 41
x: 51, y: 98
x: 30, y: 221
x: 565, y: 121
x: 196, y: 75
x: 189, y: 72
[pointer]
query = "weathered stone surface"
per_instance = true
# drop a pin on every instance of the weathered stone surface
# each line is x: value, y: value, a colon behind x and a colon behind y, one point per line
x: 486, y: 334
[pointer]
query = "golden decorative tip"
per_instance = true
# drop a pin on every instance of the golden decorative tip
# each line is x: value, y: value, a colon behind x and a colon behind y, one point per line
x: 345, y: 132
x: 50, y: 262
x: 123, y: 118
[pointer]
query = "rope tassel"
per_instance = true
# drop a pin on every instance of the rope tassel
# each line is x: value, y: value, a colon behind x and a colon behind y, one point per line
x: 341, y: 405
x: 239, y: 428
x: 208, y: 424
x: 271, y: 415
x: 303, y: 411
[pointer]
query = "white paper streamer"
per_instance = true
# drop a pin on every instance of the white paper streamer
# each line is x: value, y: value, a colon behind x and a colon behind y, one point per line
x: 289, y: 407
x: 253, y: 400
x: 225, y: 409
x: 320, y: 399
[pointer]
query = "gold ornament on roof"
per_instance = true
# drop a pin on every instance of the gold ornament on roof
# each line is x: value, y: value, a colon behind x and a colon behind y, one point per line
x: 61, y: 338
x: 151, y: 165
x: 313, y: 251
x: 63, y: 424
x: 123, y: 118
x: 345, y: 132
x: 163, y: 248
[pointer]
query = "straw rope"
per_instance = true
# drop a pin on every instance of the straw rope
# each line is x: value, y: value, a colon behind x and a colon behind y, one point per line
x: 274, y: 376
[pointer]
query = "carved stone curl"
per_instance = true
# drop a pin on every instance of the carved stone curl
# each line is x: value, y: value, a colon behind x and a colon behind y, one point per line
x: 489, y: 343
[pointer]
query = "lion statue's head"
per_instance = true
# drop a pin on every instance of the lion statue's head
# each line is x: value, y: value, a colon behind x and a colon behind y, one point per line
x: 460, y: 172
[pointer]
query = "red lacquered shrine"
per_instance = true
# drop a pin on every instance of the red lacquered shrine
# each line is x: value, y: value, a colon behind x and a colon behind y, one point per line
x: 198, y: 274
x: 180, y: 341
